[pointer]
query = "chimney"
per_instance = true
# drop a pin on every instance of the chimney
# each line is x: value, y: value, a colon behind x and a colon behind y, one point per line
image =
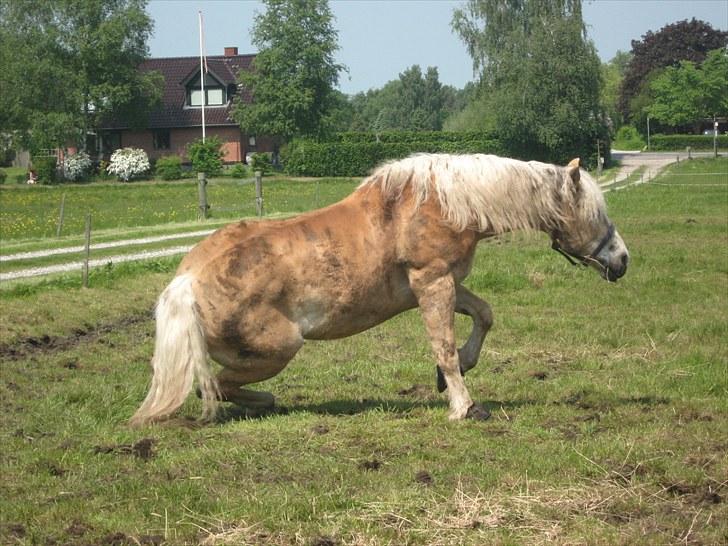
x: 231, y: 51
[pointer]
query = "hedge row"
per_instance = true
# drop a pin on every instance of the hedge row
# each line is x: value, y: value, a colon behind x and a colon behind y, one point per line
x: 348, y: 158
x: 399, y: 137
x: 668, y: 143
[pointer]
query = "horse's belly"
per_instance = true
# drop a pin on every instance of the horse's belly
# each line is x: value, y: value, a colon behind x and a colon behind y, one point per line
x: 342, y: 319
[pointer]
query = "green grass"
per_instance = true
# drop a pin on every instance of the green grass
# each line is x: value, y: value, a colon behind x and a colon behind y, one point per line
x: 31, y: 212
x: 608, y: 400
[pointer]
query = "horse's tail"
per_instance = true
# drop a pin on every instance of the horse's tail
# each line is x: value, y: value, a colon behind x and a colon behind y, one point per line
x: 180, y: 356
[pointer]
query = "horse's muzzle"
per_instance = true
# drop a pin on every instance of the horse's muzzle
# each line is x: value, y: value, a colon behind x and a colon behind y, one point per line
x: 614, y: 273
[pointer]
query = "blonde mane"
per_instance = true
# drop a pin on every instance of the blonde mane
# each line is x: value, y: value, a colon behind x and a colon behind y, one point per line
x: 491, y: 193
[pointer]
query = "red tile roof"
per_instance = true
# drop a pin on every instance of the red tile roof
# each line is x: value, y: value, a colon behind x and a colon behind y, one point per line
x: 177, y: 71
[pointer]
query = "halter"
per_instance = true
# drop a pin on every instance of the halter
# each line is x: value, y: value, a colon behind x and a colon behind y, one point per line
x: 576, y: 259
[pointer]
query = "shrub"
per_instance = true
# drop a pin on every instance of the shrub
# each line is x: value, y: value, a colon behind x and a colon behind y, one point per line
x: 628, y: 138
x: 668, y: 143
x: 238, y: 171
x: 3, y: 176
x: 20, y: 178
x: 169, y: 167
x: 206, y: 157
x: 127, y: 163
x: 356, y: 154
x: 77, y: 166
x: 261, y: 162
x: 45, y: 169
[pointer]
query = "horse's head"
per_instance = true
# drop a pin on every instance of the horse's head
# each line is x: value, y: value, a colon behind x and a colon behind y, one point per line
x: 584, y: 234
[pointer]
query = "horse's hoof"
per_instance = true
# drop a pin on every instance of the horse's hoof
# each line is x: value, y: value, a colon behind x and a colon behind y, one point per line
x: 477, y: 412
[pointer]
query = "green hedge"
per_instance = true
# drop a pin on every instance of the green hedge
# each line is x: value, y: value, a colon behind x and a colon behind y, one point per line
x: 669, y: 143
x: 356, y: 154
x: 45, y: 168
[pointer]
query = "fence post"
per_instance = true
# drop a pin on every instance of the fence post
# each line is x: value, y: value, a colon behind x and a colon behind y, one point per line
x: 259, y: 193
x: 86, y: 250
x: 689, y: 150
x: 60, y: 215
x: 202, y: 207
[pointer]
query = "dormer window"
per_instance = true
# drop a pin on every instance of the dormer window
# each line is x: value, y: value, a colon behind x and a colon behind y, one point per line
x: 215, y: 92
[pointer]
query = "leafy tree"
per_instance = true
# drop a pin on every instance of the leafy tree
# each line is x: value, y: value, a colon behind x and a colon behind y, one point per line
x: 67, y: 63
x: 612, y: 76
x: 680, y: 41
x: 294, y: 72
x: 413, y: 102
x: 540, y: 76
x: 687, y: 94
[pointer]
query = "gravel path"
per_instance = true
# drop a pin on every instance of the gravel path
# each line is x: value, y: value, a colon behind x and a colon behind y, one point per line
x: 59, y: 268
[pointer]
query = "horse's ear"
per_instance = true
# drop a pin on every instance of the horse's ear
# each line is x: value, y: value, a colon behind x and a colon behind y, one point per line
x: 573, y: 168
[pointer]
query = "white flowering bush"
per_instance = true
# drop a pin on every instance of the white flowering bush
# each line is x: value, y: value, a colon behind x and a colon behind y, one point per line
x: 76, y: 167
x: 126, y: 163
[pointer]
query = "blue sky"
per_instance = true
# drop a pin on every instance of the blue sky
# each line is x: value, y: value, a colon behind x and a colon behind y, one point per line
x: 378, y: 39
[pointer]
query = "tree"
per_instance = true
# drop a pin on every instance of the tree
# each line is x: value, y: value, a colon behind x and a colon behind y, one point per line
x: 687, y: 94
x: 540, y: 76
x: 612, y: 76
x: 413, y: 102
x: 680, y: 41
x: 67, y: 63
x: 294, y: 73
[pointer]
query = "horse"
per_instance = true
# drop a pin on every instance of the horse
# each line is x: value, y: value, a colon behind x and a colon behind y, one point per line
x: 251, y: 293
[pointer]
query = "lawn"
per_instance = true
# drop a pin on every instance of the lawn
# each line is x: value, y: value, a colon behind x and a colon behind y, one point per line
x: 30, y: 212
x: 608, y: 400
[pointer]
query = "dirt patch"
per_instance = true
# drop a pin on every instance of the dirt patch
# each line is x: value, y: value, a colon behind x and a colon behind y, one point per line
x: 370, y: 465
x: 424, y: 477
x: 15, y: 530
x: 323, y: 541
x: 142, y: 449
x: 417, y: 391
x: 49, y: 344
x: 77, y: 529
x: 320, y: 429
x: 538, y: 374
x: 695, y: 494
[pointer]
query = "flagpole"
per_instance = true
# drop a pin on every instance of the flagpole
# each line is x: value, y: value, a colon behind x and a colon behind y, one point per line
x: 202, y: 78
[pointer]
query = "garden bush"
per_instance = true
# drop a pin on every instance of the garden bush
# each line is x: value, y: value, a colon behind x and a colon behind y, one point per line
x: 76, y: 167
x: 628, y: 138
x: 238, y: 170
x: 262, y: 162
x: 356, y: 154
x: 169, y: 167
x: 3, y: 176
x: 206, y: 157
x: 128, y: 163
x: 45, y: 168
x: 669, y: 143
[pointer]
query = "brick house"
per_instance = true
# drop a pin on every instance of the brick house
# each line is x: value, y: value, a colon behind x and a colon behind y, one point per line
x: 178, y: 119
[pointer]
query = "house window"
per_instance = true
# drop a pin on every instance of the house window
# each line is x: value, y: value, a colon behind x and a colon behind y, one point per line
x: 214, y: 91
x: 161, y: 139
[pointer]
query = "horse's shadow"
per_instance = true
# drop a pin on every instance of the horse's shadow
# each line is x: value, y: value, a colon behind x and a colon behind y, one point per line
x: 347, y: 407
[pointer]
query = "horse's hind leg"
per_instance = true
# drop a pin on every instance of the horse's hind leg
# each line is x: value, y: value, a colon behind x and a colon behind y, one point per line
x: 250, y: 359
x: 467, y: 303
x: 436, y: 297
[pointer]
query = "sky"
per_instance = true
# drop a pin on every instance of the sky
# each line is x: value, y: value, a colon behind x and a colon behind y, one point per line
x: 379, y: 39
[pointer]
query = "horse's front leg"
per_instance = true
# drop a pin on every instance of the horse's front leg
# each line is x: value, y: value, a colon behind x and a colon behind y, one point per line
x: 436, y: 298
x: 467, y: 303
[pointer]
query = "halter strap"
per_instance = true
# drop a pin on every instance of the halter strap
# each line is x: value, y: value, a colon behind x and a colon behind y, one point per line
x: 576, y: 259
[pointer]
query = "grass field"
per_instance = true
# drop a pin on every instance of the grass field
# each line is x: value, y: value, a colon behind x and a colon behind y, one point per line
x: 609, y: 407
x: 30, y: 212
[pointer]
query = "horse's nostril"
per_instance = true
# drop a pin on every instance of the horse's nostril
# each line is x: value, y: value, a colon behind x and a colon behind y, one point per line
x: 625, y: 259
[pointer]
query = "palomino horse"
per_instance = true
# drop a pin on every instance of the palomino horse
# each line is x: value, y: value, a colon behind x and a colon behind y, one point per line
x: 252, y: 292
